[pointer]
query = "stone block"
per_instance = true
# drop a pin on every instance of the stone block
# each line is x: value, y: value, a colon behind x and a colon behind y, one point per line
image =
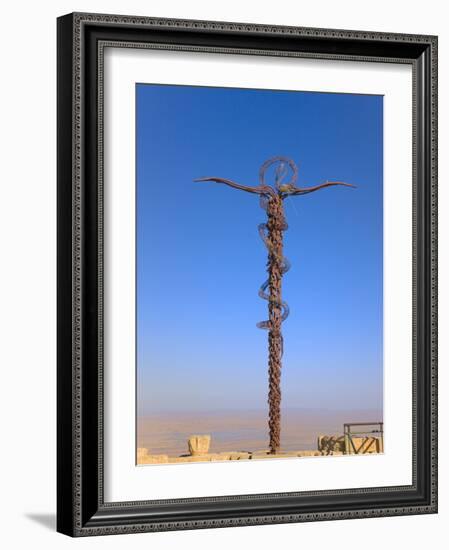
x: 199, y: 445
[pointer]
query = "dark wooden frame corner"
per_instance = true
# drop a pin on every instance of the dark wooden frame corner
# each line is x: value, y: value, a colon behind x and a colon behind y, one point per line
x: 81, y: 507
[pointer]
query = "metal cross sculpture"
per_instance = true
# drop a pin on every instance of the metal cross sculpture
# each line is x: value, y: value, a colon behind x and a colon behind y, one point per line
x: 271, y: 232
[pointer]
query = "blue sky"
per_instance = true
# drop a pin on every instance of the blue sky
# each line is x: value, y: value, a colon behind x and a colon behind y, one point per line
x: 200, y: 261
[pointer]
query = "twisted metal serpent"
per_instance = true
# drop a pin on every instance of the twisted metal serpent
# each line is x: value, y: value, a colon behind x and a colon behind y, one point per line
x: 271, y: 233
x: 276, y: 222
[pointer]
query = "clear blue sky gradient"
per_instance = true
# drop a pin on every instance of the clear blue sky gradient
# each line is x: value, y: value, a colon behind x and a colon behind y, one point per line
x: 200, y: 261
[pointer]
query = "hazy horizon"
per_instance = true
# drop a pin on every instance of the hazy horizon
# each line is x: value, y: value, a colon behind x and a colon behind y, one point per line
x: 244, y: 430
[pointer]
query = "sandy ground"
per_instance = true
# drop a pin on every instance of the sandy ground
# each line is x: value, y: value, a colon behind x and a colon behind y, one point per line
x: 167, y: 433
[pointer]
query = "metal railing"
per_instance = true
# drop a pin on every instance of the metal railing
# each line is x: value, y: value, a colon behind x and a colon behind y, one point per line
x: 376, y: 432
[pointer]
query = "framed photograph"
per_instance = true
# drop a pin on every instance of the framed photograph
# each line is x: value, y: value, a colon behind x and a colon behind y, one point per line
x: 247, y: 283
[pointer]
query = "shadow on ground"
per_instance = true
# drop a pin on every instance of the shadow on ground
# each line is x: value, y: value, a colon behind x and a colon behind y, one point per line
x: 47, y: 520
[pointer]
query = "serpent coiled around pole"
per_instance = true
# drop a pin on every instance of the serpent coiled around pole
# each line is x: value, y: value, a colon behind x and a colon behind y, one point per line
x: 271, y: 233
x: 272, y: 203
x: 284, y: 266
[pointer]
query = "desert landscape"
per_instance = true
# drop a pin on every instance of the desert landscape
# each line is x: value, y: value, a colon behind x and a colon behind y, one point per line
x: 164, y: 437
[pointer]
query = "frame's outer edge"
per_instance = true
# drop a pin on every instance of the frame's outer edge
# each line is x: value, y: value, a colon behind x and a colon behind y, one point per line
x: 70, y: 256
x: 65, y: 305
x: 241, y: 27
x: 433, y: 268
x: 426, y: 274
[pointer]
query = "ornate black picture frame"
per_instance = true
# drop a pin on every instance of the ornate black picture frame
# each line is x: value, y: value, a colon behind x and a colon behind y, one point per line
x: 81, y: 508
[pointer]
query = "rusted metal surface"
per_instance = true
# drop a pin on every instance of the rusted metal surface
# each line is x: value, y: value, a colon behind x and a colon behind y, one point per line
x: 272, y: 201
